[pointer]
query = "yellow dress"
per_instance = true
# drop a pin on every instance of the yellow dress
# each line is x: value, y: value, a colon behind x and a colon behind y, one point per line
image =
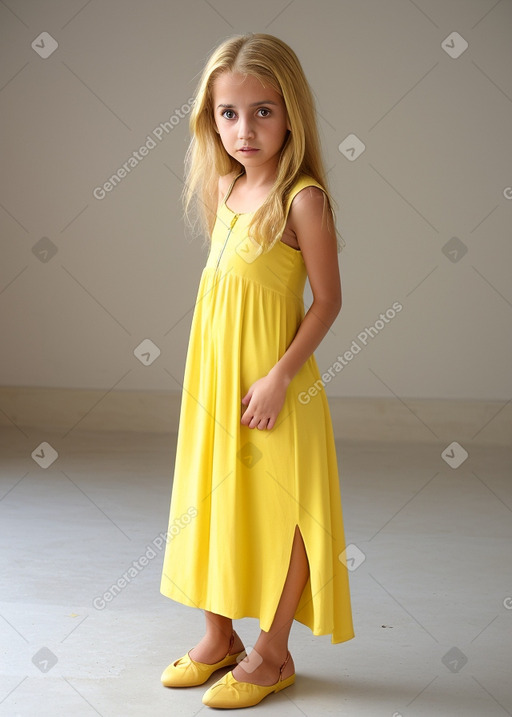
x: 238, y: 493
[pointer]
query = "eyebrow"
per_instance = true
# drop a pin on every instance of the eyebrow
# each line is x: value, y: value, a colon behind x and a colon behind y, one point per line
x: 254, y: 104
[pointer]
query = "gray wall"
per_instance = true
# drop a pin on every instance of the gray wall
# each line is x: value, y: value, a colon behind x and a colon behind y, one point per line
x: 85, y: 280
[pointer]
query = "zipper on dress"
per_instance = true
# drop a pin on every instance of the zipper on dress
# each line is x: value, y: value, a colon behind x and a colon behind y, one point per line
x: 233, y: 222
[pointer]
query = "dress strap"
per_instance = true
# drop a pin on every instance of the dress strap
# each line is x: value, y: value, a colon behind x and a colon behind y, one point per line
x: 231, y: 187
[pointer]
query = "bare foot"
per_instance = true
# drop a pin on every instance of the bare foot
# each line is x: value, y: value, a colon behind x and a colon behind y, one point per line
x: 261, y: 669
x: 212, y: 649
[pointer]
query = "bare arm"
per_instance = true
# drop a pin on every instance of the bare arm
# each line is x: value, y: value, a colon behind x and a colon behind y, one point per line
x: 317, y: 240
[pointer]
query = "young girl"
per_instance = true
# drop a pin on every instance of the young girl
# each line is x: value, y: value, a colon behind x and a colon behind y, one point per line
x: 255, y: 527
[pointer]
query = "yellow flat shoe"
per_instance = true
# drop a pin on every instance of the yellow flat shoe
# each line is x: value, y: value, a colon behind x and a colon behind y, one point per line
x: 229, y: 693
x: 186, y: 672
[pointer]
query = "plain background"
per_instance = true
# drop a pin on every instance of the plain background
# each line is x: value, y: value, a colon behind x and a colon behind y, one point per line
x: 436, y: 166
x: 421, y: 414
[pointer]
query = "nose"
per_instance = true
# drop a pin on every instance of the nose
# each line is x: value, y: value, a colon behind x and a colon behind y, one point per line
x: 245, y: 128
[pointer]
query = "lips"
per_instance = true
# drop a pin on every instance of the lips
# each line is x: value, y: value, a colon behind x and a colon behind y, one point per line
x: 247, y: 149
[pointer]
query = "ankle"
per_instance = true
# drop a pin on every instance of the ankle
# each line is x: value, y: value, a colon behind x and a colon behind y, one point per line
x: 219, y: 636
x: 213, y: 647
x: 275, y: 654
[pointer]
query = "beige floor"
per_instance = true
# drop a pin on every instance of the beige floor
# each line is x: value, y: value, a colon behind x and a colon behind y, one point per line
x: 432, y: 599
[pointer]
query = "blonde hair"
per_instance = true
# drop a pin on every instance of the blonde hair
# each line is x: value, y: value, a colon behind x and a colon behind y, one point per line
x: 271, y: 61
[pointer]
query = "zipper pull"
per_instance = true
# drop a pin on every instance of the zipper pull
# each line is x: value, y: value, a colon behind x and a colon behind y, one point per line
x: 232, y: 224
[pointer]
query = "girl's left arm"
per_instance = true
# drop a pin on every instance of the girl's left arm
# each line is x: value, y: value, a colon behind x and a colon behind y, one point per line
x: 316, y: 236
x: 317, y: 240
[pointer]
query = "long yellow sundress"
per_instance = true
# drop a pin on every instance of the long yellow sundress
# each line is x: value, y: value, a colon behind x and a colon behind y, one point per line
x: 238, y: 493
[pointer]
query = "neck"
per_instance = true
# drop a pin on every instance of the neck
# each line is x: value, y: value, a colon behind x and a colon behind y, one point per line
x: 256, y: 177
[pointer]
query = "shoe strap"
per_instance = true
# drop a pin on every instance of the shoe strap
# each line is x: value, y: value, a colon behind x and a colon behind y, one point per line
x: 231, y: 643
x: 283, y: 666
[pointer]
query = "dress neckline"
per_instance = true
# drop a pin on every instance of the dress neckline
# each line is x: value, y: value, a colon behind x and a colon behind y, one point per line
x: 239, y: 214
x: 246, y: 214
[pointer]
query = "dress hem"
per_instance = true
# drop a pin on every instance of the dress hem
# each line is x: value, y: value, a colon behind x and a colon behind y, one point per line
x: 237, y: 616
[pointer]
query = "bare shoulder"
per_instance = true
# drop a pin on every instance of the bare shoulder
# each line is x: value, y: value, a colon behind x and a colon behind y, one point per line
x: 316, y: 236
x: 307, y: 208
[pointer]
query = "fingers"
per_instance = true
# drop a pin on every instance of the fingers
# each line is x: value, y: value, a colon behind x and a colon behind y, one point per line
x: 253, y: 421
x: 263, y: 424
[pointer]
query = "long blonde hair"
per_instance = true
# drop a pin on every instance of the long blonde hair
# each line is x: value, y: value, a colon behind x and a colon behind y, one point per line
x: 271, y: 61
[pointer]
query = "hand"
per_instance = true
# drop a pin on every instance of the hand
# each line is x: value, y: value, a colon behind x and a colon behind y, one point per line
x: 264, y: 401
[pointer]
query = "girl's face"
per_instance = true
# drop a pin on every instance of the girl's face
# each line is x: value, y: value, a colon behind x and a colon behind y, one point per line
x: 247, y: 114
